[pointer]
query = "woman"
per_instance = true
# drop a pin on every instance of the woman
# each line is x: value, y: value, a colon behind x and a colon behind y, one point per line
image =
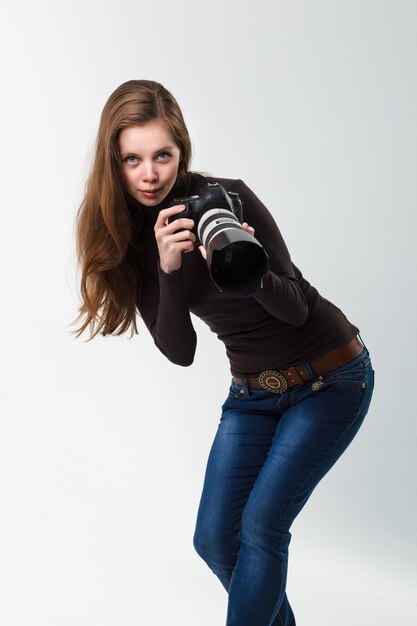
x: 302, y: 379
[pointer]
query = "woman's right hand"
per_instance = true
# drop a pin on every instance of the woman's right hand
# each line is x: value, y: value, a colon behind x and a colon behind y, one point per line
x: 171, y: 241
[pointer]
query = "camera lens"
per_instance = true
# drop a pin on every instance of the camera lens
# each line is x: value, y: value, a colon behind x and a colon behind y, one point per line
x: 236, y: 259
x: 213, y: 222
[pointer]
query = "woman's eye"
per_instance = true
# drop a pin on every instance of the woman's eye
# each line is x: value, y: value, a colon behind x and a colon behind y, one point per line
x: 162, y: 156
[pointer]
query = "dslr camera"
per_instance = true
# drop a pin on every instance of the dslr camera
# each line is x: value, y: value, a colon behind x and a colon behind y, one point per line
x: 236, y: 260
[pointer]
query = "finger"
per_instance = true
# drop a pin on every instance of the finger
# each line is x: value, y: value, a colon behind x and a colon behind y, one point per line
x: 187, y: 246
x: 203, y: 252
x: 165, y: 213
x: 248, y: 228
x: 183, y: 235
x: 181, y: 223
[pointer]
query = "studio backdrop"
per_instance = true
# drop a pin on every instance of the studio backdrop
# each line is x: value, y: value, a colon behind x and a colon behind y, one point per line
x: 103, y: 444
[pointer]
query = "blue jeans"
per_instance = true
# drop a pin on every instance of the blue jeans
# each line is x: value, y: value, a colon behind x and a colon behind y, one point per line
x: 269, y: 453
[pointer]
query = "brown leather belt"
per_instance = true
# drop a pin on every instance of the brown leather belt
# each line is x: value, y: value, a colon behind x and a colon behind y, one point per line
x: 279, y: 381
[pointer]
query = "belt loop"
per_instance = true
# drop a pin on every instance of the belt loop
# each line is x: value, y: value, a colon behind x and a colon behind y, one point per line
x: 359, y: 335
x: 308, y: 370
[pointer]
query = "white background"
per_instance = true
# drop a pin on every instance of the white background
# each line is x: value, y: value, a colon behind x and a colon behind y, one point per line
x: 103, y: 444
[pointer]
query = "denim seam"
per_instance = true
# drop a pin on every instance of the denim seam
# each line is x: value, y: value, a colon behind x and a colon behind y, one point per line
x: 236, y: 533
x: 232, y: 575
x: 230, y: 587
x: 280, y: 619
x: 366, y: 382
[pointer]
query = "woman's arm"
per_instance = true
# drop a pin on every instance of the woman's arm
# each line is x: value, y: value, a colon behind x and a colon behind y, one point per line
x: 164, y: 307
x: 165, y: 312
x: 280, y: 294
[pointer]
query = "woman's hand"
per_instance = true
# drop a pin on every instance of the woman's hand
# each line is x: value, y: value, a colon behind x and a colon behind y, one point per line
x: 245, y: 226
x: 172, y: 241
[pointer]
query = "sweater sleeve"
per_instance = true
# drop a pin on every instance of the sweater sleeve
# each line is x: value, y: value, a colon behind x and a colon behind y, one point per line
x: 165, y: 312
x: 281, y: 294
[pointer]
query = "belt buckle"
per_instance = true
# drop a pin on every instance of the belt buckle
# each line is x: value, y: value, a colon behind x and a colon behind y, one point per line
x: 273, y: 381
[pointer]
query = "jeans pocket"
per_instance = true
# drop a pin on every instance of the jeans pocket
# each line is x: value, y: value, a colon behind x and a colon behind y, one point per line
x: 348, y: 374
x: 237, y: 391
x: 241, y: 392
x: 348, y: 386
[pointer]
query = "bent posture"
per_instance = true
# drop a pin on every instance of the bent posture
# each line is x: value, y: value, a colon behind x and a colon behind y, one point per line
x: 302, y: 379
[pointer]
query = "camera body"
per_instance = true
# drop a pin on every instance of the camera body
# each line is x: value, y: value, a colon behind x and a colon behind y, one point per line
x: 212, y: 197
x: 236, y: 260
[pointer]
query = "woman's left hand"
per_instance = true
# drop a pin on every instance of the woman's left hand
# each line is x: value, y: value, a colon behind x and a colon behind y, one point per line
x: 245, y: 226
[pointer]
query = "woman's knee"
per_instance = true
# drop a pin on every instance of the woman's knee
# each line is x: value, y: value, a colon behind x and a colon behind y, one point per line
x: 215, y: 546
x: 206, y: 544
x: 262, y: 530
x: 199, y: 543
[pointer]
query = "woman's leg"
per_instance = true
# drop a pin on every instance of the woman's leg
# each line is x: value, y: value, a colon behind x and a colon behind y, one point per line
x: 315, y: 428
x: 268, y: 455
x: 237, y: 455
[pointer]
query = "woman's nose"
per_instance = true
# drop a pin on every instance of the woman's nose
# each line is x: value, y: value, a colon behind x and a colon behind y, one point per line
x: 149, y: 171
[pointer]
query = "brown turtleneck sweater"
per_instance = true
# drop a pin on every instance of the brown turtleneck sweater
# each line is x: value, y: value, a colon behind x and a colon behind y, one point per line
x: 286, y: 322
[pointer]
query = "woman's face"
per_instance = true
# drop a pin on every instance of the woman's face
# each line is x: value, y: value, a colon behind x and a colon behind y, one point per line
x: 150, y: 160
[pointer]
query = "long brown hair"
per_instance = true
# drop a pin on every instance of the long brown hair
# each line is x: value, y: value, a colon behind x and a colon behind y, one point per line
x: 107, y: 256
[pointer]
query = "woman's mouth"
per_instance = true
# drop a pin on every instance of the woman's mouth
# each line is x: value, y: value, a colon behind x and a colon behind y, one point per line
x: 150, y: 194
